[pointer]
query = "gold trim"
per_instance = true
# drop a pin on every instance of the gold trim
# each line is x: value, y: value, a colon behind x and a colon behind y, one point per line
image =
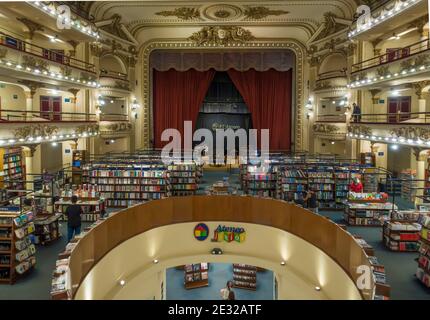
x: 291, y: 44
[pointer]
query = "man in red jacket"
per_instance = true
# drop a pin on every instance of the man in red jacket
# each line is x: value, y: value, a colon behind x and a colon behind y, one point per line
x: 356, y: 186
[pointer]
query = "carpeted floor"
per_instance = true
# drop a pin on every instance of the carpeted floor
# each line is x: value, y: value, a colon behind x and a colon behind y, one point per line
x: 400, y: 267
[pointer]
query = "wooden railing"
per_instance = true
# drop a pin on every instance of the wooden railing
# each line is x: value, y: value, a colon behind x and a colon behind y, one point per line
x: 122, y: 226
x: 395, y: 55
x: 35, y: 50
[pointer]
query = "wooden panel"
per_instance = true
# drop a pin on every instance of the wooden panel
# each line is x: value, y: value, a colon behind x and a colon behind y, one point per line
x: 315, y: 229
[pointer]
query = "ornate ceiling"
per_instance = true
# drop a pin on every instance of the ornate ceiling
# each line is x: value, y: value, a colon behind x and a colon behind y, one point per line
x: 298, y: 19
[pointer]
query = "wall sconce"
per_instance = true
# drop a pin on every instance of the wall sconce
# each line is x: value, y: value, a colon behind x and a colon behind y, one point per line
x: 134, y: 107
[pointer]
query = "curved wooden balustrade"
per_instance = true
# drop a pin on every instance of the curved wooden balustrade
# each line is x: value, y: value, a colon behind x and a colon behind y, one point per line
x: 315, y: 229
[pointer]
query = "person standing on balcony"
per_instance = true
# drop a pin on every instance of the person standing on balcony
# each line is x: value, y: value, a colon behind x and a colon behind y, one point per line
x: 356, y: 112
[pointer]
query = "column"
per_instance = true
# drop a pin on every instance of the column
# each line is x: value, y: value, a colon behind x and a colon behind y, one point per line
x: 421, y: 167
x: 28, y: 153
x: 419, y: 87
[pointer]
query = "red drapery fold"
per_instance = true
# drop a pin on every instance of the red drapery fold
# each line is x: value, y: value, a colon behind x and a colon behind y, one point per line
x: 268, y: 97
x: 177, y: 98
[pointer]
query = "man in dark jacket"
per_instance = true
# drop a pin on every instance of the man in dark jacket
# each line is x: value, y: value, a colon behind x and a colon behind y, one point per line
x: 73, y: 214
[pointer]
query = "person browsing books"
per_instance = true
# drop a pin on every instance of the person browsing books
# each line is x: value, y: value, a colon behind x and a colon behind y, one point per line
x: 311, y: 200
x: 73, y: 214
x: 356, y: 186
x: 227, y: 293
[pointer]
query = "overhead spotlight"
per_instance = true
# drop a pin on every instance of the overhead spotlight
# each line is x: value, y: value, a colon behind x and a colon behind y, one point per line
x: 283, y: 263
x: 317, y: 288
x: 216, y: 251
x: 122, y: 283
x: 155, y: 261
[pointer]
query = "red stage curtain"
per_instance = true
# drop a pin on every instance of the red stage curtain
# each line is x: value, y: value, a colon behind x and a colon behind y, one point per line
x: 177, y: 98
x: 268, y: 97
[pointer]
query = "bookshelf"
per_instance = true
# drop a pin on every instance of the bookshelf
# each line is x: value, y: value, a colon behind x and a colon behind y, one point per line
x: 47, y: 228
x: 124, y: 185
x: 78, y: 159
x: 370, y: 180
x: 13, y: 175
x: 401, y: 236
x: 196, y: 275
x: 408, y: 184
x: 343, y: 176
x: 91, y: 207
x: 292, y: 181
x: 183, y: 179
x: 244, y: 277
x: 17, y: 251
x: 423, y: 270
x: 321, y: 180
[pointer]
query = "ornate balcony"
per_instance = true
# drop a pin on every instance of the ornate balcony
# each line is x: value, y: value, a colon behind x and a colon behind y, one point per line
x: 332, y: 80
x: 411, y: 129
x: 111, y: 80
x: 28, y: 128
x: 29, y: 61
x: 386, y: 15
x: 405, y: 65
x: 331, y: 127
x: 114, y: 126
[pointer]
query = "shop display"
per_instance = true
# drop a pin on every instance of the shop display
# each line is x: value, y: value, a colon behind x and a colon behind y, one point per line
x: 196, y: 275
x: 47, y: 228
x: 367, y: 214
x: 423, y: 270
x: 17, y: 251
x: 244, y: 277
x: 401, y: 236
x: 368, y: 197
x: 92, y: 207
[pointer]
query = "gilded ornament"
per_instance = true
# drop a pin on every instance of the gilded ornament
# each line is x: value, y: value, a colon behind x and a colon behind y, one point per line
x: 258, y: 13
x: 183, y: 13
x: 221, y: 36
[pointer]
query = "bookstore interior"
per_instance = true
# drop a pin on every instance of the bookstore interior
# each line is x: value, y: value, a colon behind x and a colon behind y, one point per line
x: 154, y: 150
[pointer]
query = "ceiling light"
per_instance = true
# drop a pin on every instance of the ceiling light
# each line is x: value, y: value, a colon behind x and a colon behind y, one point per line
x: 54, y: 144
x: 30, y: 138
x: 21, y: 140
x: 283, y: 263
x: 8, y: 63
x: 1, y: 142
x: 11, y: 141
x: 155, y: 261
x: 394, y: 147
x: 317, y: 288
x: 122, y: 283
x: 18, y: 66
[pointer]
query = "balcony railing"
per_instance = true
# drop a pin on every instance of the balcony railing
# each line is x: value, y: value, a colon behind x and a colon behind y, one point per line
x: 44, y: 116
x: 392, y: 56
x: 113, y: 74
x: 339, y: 118
x: 332, y: 74
x: 114, y: 117
x: 392, y: 118
x: 35, y: 50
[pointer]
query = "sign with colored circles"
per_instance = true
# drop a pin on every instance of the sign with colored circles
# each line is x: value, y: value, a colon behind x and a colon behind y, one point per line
x: 201, y: 232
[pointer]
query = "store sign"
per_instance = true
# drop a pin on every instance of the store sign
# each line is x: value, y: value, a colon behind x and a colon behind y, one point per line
x: 201, y: 232
x: 10, y: 209
x: 229, y: 234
